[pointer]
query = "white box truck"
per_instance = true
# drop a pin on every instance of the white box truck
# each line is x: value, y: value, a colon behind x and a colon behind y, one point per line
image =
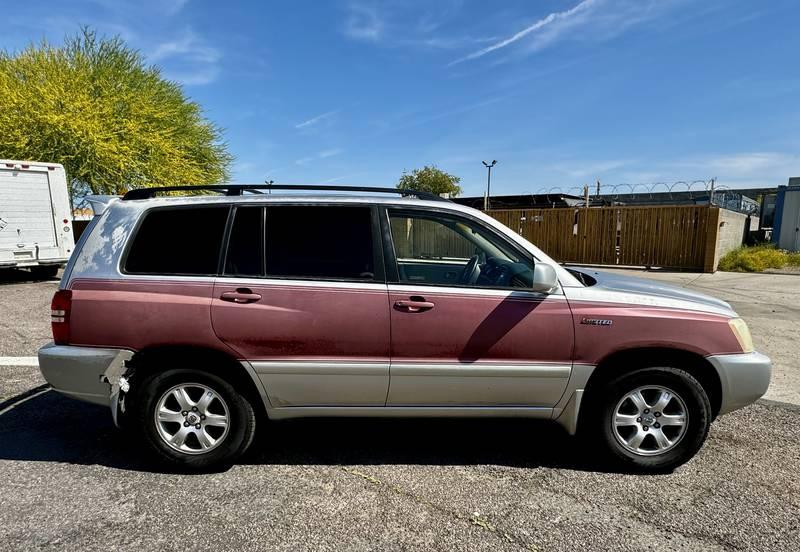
x: 35, y: 217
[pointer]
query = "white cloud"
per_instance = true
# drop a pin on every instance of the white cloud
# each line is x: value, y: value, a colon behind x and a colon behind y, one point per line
x: 317, y: 119
x: 750, y: 163
x: 363, y: 23
x: 330, y: 153
x: 591, y: 169
x: 538, y: 25
x: 589, y: 20
x: 172, y: 7
x: 324, y: 154
x: 187, y: 59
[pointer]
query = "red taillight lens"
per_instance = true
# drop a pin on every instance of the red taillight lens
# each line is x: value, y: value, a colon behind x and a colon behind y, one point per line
x: 59, y: 314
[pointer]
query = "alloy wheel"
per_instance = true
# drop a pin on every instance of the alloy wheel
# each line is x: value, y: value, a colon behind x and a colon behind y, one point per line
x: 192, y: 418
x: 650, y: 420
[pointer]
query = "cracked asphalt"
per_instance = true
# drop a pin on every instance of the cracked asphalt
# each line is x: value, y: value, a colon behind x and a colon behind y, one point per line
x: 70, y: 481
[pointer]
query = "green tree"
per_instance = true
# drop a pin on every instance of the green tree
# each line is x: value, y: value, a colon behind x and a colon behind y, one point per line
x: 114, y: 122
x: 430, y: 179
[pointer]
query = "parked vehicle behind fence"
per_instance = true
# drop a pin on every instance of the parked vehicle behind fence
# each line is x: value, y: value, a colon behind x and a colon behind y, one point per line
x: 198, y: 318
x: 35, y: 217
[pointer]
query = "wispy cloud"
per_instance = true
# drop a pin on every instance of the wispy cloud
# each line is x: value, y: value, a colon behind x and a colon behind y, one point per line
x: 591, y: 169
x: 172, y: 7
x: 538, y: 25
x: 187, y: 59
x: 324, y: 154
x: 589, y: 20
x: 363, y: 22
x: 317, y: 119
x: 340, y: 178
x: 413, y: 120
x: 394, y: 24
x: 330, y: 153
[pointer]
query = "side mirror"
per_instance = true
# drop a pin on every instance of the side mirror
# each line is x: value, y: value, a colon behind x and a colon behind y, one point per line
x: 544, y: 278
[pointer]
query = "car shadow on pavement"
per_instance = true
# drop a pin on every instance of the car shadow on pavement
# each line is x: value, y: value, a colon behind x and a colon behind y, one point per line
x: 19, y: 276
x: 48, y: 427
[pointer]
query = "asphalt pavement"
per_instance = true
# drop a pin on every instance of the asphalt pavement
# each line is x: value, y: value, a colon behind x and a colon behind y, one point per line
x: 70, y: 481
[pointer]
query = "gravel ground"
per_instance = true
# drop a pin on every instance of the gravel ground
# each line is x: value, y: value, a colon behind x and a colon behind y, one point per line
x: 71, y: 481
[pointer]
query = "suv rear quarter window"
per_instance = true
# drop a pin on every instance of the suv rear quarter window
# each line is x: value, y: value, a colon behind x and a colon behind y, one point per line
x: 178, y: 241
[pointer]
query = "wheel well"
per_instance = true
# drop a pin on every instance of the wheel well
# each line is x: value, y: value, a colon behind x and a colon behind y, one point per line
x: 628, y: 360
x: 153, y: 360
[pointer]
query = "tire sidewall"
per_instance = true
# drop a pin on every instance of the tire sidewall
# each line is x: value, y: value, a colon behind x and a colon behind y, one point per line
x: 241, y: 424
x: 698, y: 416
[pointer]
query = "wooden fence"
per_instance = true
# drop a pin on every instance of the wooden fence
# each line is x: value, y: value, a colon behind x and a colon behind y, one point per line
x: 683, y: 237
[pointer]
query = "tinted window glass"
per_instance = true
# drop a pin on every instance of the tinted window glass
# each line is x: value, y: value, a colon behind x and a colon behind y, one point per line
x: 320, y: 242
x: 246, y: 246
x: 434, y: 249
x: 178, y: 241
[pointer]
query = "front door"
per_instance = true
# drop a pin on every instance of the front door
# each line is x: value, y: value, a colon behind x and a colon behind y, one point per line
x: 465, y: 330
x: 302, y: 298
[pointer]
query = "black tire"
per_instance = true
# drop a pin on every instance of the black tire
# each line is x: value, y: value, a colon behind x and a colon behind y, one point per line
x: 45, y: 272
x: 233, y: 444
x: 599, y: 420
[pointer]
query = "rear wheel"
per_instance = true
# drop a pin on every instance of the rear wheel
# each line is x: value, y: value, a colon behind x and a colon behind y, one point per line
x: 652, y: 419
x: 194, y: 420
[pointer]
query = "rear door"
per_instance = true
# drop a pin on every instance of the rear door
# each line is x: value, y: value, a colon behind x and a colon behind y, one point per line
x: 26, y: 214
x: 303, y: 298
x: 473, y: 334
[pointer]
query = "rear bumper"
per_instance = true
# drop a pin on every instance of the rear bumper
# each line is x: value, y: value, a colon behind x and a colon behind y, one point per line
x: 744, y: 378
x: 83, y: 372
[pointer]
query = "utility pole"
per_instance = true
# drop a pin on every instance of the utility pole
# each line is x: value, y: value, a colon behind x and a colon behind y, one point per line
x: 586, y: 195
x: 487, y: 201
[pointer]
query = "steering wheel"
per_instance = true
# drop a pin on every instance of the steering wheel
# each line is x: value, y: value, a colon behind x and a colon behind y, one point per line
x: 471, y: 271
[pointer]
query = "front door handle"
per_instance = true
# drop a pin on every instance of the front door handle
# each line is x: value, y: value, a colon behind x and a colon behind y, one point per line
x: 241, y: 295
x: 414, y: 304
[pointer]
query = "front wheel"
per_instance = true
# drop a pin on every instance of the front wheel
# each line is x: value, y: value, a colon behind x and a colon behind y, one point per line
x: 194, y: 420
x: 652, y: 419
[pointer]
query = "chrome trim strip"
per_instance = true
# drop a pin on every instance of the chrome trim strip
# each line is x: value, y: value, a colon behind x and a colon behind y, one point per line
x: 481, y: 369
x: 280, y: 282
x: 302, y: 367
x: 410, y: 412
x: 461, y: 291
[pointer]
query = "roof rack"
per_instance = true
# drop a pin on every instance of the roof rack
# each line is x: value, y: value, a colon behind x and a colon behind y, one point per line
x: 239, y: 189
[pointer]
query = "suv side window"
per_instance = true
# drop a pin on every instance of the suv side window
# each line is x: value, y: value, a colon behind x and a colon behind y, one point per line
x: 245, y: 256
x: 182, y: 241
x: 321, y: 242
x: 433, y: 248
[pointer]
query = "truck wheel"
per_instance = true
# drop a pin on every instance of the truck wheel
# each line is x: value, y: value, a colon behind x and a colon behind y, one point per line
x: 652, y: 419
x: 194, y: 420
x: 45, y: 272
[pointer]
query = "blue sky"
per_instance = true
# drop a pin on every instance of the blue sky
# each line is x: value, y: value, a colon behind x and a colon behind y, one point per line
x: 560, y: 92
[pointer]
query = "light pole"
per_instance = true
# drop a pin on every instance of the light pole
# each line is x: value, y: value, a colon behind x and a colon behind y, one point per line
x: 487, y: 204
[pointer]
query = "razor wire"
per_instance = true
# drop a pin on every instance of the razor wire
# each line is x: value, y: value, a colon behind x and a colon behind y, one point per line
x: 710, y: 190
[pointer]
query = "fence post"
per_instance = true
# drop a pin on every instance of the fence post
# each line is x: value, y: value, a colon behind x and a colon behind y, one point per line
x: 712, y: 236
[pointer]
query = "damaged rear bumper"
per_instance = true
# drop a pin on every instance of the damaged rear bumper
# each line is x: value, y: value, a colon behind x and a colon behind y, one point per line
x: 86, y: 373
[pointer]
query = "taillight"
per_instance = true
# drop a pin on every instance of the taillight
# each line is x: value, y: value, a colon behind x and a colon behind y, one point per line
x: 59, y: 316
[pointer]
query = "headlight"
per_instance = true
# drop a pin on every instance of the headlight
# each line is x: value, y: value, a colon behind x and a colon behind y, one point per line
x: 742, y: 333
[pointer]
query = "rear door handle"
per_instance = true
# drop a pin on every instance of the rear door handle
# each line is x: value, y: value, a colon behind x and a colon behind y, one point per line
x: 241, y: 295
x: 414, y: 304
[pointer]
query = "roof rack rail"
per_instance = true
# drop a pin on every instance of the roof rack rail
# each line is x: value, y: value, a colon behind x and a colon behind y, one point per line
x: 239, y: 189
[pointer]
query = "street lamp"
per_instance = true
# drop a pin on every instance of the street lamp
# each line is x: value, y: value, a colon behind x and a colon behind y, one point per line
x: 486, y: 203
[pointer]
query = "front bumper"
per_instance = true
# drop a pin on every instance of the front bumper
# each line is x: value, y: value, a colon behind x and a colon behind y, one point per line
x: 84, y: 373
x: 744, y: 378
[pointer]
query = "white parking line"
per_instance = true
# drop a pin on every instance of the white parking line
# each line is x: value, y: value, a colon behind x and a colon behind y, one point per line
x: 19, y: 361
